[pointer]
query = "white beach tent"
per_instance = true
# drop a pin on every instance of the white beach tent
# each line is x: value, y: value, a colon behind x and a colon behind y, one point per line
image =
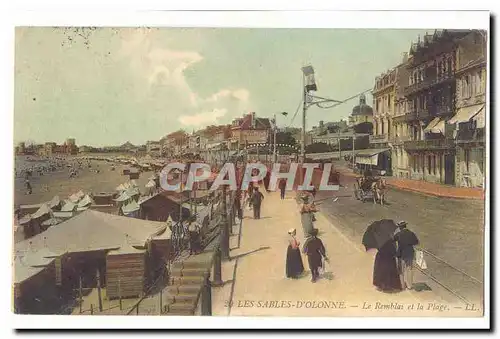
x: 45, y: 209
x: 74, y: 198
x: 68, y: 206
x: 123, y: 197
x: 131, y: 207
x: 86, y: 201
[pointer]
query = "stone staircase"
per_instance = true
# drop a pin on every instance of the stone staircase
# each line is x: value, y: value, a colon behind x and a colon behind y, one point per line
x: 186, y: 282
x: 186, y: 276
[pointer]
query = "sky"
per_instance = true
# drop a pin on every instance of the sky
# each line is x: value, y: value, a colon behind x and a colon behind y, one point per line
x: 111, y: 85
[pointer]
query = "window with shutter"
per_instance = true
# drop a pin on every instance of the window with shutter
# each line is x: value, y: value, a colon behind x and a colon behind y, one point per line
x: 479, y: 83
x: 473, y: 85
x: 467, y: 87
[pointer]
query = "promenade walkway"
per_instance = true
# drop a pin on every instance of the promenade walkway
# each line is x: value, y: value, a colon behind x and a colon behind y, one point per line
x: 256, y: 284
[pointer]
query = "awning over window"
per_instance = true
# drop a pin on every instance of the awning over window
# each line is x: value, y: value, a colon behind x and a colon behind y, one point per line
x: 439, y: 127
x: 464, y: 114
x: 480, y: 118
x: 431, y: 125
x: 370, y: 160
x: 370, y: 152
x: 369, y: 156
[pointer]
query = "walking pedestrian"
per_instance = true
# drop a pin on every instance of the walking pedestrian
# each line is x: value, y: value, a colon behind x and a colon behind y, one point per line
x: 257, y: 198
x: 307, y: 218
x: 406, y: 239
x: 237, y: 204
x: 294, y: 265
x: 194, y: 237
x: 267, y: 178
x: 282, y: 188
x: 250, y: 195
x: 315, y: 251
x: 28, y: 187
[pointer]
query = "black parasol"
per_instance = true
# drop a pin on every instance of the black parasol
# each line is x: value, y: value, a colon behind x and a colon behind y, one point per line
x: 406, y: 238
x: 379, y: 233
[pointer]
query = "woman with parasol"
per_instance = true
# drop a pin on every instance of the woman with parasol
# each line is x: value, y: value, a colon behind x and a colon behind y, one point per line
x: 294, y: 265
x: 380, y: 235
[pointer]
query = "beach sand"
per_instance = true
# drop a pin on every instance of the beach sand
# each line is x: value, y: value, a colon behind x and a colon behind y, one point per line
x: 60, y: 184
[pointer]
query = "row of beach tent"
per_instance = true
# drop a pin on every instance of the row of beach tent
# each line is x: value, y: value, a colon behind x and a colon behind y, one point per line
x: 58, y: 210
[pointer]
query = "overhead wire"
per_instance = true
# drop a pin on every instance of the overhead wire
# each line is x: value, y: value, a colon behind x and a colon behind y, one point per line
x: 296, y: 112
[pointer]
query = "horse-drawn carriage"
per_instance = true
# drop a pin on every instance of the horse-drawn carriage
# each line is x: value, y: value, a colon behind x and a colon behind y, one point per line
x: 370, y: 188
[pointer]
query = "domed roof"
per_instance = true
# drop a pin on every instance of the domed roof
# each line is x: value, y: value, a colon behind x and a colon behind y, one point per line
x: 362, y: 108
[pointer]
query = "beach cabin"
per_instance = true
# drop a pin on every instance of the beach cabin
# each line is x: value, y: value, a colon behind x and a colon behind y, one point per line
x: 35, y: 282
x: 28, y: 209
x: 126, y: 272
x: 134, y: 173
x: 137, y: 249
x: 160, y: 206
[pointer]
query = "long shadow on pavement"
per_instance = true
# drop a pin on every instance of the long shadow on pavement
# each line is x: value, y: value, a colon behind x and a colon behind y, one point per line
x: 247, y: 253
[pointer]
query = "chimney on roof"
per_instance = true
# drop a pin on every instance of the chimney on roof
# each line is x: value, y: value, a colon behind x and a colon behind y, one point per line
x: 405, y: 57
x: 253, y: 119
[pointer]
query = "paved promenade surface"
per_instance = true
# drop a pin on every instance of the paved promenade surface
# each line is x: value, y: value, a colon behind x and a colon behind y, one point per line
x: 256, y: 284
x: 425, y: 187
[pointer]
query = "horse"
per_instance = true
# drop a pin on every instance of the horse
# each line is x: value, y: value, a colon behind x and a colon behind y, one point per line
x: 379, y: 187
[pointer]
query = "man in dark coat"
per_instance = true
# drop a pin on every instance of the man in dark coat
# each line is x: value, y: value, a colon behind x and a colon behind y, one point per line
x: 406, y: 239
x: 237, y: 204
x: 194, y: 237
x: 315, y: 251
x: 267, y: 178
x: 257, y: 198
x: 282, y: 188
x: 250, y: 193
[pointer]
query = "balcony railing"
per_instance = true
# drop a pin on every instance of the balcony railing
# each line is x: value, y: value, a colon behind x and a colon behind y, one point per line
x: 411, y: 115
x: 426, y: 83
x: 465, y: 136
x: 377, y: 139
x: 399, y: 118
x: 442, y: 110
x: 416, y: 114
x: 422, y: 113
x: 432, y: 144
x: 400, y: 139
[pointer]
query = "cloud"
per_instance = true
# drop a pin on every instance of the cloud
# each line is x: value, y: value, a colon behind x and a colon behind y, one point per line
x: 162, y: 68
x: 201, y: 119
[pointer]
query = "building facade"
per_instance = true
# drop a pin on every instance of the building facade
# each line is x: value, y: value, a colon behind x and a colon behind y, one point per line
x: 401, y: 130
x: 153, y: 148
x: 432, y: 102
x: 384, y: 93
x: 249, y: 130
x: 470, y: 119
x: 383, y: 103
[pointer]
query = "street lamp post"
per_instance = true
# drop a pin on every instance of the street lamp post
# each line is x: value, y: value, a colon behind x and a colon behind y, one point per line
x: 309, y: 85
x: 274, y: 141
